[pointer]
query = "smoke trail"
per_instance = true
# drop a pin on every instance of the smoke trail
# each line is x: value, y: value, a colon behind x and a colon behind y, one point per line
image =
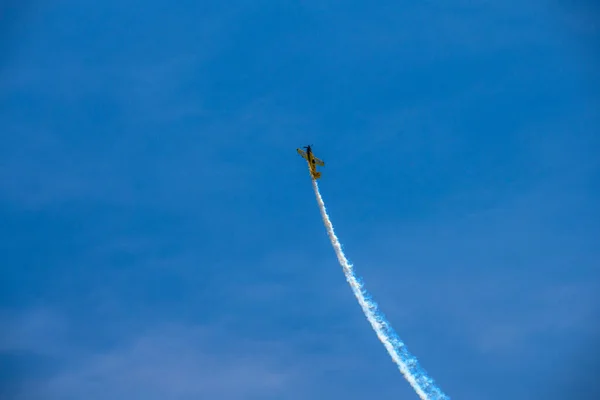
x: 407, y: 363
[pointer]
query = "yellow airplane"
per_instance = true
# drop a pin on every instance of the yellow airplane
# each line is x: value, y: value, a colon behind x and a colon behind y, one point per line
x: 312, y: 162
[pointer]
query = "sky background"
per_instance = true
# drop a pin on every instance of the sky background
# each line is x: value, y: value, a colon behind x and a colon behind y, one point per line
x: 160, y: 238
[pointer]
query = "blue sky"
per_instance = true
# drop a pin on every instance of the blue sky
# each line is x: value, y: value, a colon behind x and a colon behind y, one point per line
x: 160, y: 238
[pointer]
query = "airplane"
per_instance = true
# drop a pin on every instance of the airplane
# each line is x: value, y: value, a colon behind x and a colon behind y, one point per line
x: 312, y: 161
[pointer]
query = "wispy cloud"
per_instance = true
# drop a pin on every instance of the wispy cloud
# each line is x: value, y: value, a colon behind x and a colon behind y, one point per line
x: 41, y: 331
x: 183, y: 361
x: 169, y: 362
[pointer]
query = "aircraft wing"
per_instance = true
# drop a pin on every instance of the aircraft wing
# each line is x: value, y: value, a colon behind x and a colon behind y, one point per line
x: 319, y: 162
x: 302, y: 153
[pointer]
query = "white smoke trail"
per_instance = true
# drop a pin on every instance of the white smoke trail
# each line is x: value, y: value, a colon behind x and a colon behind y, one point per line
x: 407, y: 363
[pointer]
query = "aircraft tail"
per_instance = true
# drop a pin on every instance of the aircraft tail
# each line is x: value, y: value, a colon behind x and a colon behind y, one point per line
x: 317, y: 175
